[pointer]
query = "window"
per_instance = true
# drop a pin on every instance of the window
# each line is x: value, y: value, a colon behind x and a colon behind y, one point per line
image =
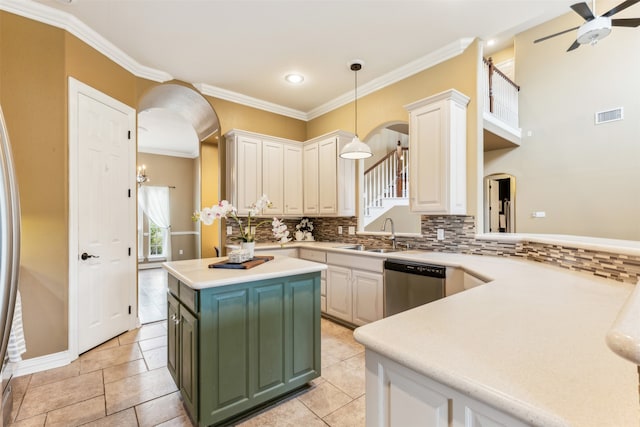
x: 156, y: 240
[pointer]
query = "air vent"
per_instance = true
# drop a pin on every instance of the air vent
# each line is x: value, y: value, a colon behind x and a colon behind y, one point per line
x: 609, y: 115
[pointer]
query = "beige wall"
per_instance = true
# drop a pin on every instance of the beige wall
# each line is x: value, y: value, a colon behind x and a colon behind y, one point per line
x: 387, y: 105
x: 584, y: 176
x: 180, y: 173
x: 34, y: 103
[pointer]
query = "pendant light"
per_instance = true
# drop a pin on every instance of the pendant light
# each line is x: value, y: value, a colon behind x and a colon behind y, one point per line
x: 356, y: 149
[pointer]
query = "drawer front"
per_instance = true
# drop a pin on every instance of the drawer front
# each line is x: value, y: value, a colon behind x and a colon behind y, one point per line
x: 173, y: 284
x: 189, y: 297
x: 313, y: 255
x: 369, y: 263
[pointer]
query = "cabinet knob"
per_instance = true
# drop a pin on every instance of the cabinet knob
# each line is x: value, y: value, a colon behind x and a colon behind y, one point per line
x: 175, y: 319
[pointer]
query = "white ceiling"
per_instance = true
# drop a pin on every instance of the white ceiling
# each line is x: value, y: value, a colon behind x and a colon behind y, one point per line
x: 244, y: 48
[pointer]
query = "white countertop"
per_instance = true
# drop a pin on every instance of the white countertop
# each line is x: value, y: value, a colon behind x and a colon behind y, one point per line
x: 532, y: 342
x: 197, y: 274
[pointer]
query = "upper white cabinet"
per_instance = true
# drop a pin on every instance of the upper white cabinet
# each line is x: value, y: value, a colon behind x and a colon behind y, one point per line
x: 438, y: 145
x: 299, y: 178
x: 259, y: 164
x: 329, y: 181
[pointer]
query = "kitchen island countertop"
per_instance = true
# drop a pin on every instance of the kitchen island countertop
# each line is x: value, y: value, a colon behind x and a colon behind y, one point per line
x: 196, y: 273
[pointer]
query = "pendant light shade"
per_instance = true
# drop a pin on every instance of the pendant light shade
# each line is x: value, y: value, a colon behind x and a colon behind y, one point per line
x: 356, y: 149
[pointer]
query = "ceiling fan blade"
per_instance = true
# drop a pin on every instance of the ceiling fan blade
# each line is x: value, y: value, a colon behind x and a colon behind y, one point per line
x: 556, y: 34
x: 631, y: 22
x: 583, y: 10
x: 574, y: 46
x: 622, y: 6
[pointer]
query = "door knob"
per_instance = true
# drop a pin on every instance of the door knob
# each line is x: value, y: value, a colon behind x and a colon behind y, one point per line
x: 85, y: 256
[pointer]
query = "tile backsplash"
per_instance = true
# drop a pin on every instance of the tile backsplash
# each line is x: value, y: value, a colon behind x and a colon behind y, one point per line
x: 459, y: 237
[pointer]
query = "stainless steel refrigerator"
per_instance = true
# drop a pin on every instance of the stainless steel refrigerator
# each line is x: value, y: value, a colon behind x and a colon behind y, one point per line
x: 9, y: 259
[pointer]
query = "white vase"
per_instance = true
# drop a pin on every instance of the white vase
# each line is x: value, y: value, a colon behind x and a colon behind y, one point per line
x: 249, y: 246
x: 299, y: 235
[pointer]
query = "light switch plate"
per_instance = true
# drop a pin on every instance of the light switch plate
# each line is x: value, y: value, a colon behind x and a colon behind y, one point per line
x: 440, y: 233
x: 339, y: 229
x: 352, y: 229
x: 229, y: 230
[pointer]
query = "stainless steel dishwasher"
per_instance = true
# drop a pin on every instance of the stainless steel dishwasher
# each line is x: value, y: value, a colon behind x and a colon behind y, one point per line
x: 409, y: 284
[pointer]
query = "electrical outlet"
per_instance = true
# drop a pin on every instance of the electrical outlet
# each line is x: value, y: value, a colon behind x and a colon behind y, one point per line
x: 538, y: 214
x: 339, y: 229
x: 440, y: 233
x: 180, y: 252
x: 352, y: 230
x: 229, y: 230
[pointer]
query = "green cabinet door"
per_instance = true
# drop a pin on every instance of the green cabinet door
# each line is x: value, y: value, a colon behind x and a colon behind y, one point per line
x: 258, y: 341
x: 173, y: 345
x: 188, y: 365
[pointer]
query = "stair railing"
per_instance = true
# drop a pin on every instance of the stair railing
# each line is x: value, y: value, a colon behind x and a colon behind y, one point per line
x: 501, y: 94
x: 388, y: 178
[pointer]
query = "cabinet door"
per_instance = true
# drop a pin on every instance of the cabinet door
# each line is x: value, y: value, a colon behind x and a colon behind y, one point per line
x: 249, y: 172
x: 367, y: 297
x: 273, y: 176
x: 293, y: 180
x: 189, y: 360
x: 327, y: 178
x: 173, y: 343
x: 310, y: 179
x: 339, y: 293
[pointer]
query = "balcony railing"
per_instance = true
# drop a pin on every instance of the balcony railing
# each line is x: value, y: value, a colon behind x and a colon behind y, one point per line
x: 501, y: 94
x: 387, y: 179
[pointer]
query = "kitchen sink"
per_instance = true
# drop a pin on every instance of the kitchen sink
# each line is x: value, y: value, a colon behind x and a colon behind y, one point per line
x: 365, y: 249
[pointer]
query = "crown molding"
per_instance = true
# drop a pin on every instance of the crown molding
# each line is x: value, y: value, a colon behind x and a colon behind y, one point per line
x: 68, y: 22
x: 165, y: 152
x: 249, y: 101
x: 444, y: 53
x: 71, y: 24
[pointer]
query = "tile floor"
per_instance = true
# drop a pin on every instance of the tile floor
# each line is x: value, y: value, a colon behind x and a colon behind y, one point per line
x: 124, y: 382
x: 152, y: 295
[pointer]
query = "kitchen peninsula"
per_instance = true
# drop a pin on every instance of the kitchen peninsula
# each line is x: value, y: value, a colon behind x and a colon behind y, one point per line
x: 238, y: 338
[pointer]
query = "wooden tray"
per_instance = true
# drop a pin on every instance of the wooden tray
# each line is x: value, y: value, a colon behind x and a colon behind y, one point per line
x: 257, y: 260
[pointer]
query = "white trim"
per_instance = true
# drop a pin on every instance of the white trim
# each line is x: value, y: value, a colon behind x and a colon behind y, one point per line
x: 68, y: 22
x: 172, y: 153
x: 75, y: 88
x: 184, y: 233
x: 71, y: 24
x: 43, y: 363
x: 149, y: 265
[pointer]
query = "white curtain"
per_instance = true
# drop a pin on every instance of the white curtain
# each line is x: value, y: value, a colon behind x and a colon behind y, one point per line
x: 154, y: 201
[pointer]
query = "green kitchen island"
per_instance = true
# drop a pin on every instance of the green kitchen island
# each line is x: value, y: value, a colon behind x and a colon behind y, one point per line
x: 238, y: 339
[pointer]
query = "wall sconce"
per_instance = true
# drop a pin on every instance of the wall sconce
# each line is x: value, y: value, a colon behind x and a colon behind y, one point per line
x: 141, y: 178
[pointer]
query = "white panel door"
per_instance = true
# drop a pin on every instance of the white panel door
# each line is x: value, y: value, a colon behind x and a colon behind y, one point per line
x: 249, y: 185
x: 106, y: 259
x: 328, y: 176
x: 310, y: 178
x: 339, y: 293
x: 367, y: 297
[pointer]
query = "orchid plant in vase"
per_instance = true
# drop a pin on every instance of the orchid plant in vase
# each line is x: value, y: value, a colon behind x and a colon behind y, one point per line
x: 224, y: 209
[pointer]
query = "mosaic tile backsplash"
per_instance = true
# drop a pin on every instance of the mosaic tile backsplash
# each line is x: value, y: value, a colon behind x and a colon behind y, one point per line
x: 460, y: 238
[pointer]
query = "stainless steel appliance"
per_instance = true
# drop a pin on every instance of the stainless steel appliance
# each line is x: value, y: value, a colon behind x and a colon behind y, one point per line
x: 409, y: 284
x: 9, y: 260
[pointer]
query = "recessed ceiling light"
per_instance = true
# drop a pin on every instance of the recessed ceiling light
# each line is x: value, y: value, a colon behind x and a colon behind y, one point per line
x: 294, y: 78
x: 491, y: 42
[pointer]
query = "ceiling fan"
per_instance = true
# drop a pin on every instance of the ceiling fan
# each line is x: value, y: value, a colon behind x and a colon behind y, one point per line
x: 596, y: 28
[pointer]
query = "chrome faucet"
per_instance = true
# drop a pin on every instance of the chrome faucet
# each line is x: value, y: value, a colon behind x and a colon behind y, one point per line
x: 393, y: 231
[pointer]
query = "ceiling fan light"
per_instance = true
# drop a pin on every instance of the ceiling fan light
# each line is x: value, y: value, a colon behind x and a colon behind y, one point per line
x: 596, y: 29
x: 356, y: 150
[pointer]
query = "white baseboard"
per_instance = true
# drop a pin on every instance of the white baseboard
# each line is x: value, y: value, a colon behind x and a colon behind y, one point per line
x: 42, y: 363
x: 148, y: 265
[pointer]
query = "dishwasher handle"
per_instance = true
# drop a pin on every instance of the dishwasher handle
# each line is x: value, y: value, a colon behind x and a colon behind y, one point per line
x: 418, y: 268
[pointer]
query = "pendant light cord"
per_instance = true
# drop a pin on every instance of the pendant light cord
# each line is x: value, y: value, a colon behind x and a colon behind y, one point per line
x: 355, y: 67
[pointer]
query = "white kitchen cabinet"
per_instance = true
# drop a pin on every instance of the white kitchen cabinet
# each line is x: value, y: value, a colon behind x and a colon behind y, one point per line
x: 244, y: 170
x: 317, y: 256
x: 354, y: 295
x: 293, y: 179
x: 310, y: 179
x: 273, y: 176
x: 438, y: 146
x: 339, y: 293
x: 397, y: 396
x: 260, y: 164
x: 329, y: 181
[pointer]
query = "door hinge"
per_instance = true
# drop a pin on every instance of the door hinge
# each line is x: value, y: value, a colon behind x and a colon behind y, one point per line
x: 129, y: 309
x: 129, y: 134
x: 129, y: 192
x: 129, y: 251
